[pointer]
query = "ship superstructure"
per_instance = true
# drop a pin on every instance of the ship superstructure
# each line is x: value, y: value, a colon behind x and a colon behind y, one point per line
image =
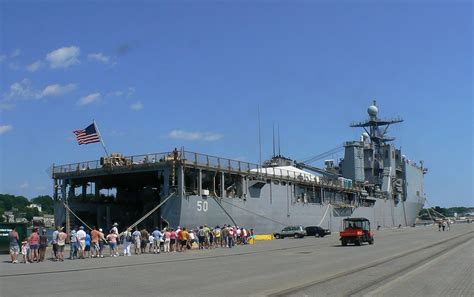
x: 373, y: 180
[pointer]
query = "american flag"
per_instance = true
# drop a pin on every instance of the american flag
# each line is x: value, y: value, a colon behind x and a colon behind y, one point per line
x: 88, y: 135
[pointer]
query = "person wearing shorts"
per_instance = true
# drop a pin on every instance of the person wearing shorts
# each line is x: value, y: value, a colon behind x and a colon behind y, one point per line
x: 61, y: 243
x: 14, y: 247
x: 34, y: 245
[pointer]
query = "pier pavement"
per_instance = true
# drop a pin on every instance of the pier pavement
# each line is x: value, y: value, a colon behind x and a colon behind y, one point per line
x: 417, y: 261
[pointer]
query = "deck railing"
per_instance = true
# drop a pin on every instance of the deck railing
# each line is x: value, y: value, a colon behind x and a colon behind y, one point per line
x: 194, y: 159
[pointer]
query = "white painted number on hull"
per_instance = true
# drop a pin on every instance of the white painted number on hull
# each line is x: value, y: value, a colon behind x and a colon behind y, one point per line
x: 202, y: 206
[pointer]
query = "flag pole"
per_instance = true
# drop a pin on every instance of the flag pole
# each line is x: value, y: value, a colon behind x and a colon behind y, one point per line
x: 100, y: 137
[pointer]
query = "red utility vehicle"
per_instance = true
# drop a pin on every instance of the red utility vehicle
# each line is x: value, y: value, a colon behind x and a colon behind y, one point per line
x: 356, y: 231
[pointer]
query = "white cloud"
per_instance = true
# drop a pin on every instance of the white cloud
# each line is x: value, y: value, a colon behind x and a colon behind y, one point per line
x: 187, y: 135
x: 119, y: 93
x: 57, y: 90
x: 99, y: 57
x: 15, y: 53
x: 91, y: 98
x: 5, y: 128
x: 24, y: 90
x: 21, y: 90
x: 33, y: 67
x: 63, y: 57
x: 136, y: 106
x: 24, y: 185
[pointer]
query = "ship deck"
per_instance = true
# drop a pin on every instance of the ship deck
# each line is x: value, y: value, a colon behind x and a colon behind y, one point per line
x: 136, y: 164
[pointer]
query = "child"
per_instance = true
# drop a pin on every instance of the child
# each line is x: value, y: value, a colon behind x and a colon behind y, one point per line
x: 24, y: 250
x: 151, y: 239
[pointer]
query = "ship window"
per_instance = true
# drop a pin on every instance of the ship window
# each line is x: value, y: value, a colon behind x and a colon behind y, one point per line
x: 276, y: 182
x: 283, y: 183
x: 269, y: 181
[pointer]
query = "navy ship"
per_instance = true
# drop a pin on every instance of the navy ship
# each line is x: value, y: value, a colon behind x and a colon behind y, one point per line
x: 373, y: 180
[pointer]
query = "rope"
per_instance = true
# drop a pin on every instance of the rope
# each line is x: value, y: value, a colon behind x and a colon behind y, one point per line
x: 324, y: 216
x: 257, y: 214
x: 231, y: 218
x: 67, y: 207
x: 432, y: 208
x: 151, y: 211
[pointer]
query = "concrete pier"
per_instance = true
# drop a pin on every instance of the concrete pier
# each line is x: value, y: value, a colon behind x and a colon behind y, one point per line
x: 417, y: 261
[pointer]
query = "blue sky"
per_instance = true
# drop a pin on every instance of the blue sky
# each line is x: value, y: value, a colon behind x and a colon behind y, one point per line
x: 159, y: 75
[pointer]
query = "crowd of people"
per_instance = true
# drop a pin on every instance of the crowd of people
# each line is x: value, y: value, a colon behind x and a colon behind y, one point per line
x: 84, y: 244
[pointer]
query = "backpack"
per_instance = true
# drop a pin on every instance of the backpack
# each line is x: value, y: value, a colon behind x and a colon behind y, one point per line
x: 202, y: 232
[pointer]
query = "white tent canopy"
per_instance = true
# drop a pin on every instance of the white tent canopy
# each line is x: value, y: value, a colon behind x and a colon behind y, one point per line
x: 287, y: 171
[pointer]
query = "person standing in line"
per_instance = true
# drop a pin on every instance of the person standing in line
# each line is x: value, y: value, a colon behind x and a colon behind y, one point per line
x: 178, y: 230
x: 61, y: 243
x: 137, y: 240
x: 225, y: 235
x: 230, y: 244
x: 54, y: 242
x: 448, y: 225
x: 87, y: 250
x: 34, y: 245
x: 102, y: 242
x: 95, y: 236
x: 439, y: 226
x: 115, y: 229
x: 144, y: 237
x: 73, y: 244
x: 157, y: 236
x: 81, y: 242
x: 127, y: 242
x: 183, y: 236
x: 25, y: 248
x: 444, y: 225
x: 201, y: 235
x: 173, y: 240
x: 167, y: 236
x: 151, y: 244
x: 112, y: 239
x: 14, y: 246
x: 43, y: 244
x: 217, y: 236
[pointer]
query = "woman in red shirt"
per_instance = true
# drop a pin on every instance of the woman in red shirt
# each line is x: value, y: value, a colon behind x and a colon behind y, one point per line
x: 34, y: 245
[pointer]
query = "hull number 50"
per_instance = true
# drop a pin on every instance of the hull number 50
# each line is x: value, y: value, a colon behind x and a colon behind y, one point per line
x: 202, y: 206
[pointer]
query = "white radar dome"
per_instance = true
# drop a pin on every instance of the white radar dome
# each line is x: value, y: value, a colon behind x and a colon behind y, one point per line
x: 365, y: 135
x: 372, y: 110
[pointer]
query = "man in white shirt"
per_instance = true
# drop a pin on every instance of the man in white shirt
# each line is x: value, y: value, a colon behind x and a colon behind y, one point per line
x: 81, y: 241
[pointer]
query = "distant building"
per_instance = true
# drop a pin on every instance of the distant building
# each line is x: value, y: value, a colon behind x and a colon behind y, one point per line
x: 48, y: 220
x: 21, y: 220
x: 8, y: 217
x: 34, y: 205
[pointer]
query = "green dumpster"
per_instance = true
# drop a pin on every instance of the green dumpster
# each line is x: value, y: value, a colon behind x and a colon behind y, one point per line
x: 5, y: 229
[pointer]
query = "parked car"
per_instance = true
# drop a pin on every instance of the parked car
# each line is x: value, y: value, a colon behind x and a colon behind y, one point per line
x: 291, y: 231
x: 317, y: 231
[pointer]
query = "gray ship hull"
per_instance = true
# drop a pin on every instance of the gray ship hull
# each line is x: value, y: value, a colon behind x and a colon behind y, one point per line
x: 266, y: 215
